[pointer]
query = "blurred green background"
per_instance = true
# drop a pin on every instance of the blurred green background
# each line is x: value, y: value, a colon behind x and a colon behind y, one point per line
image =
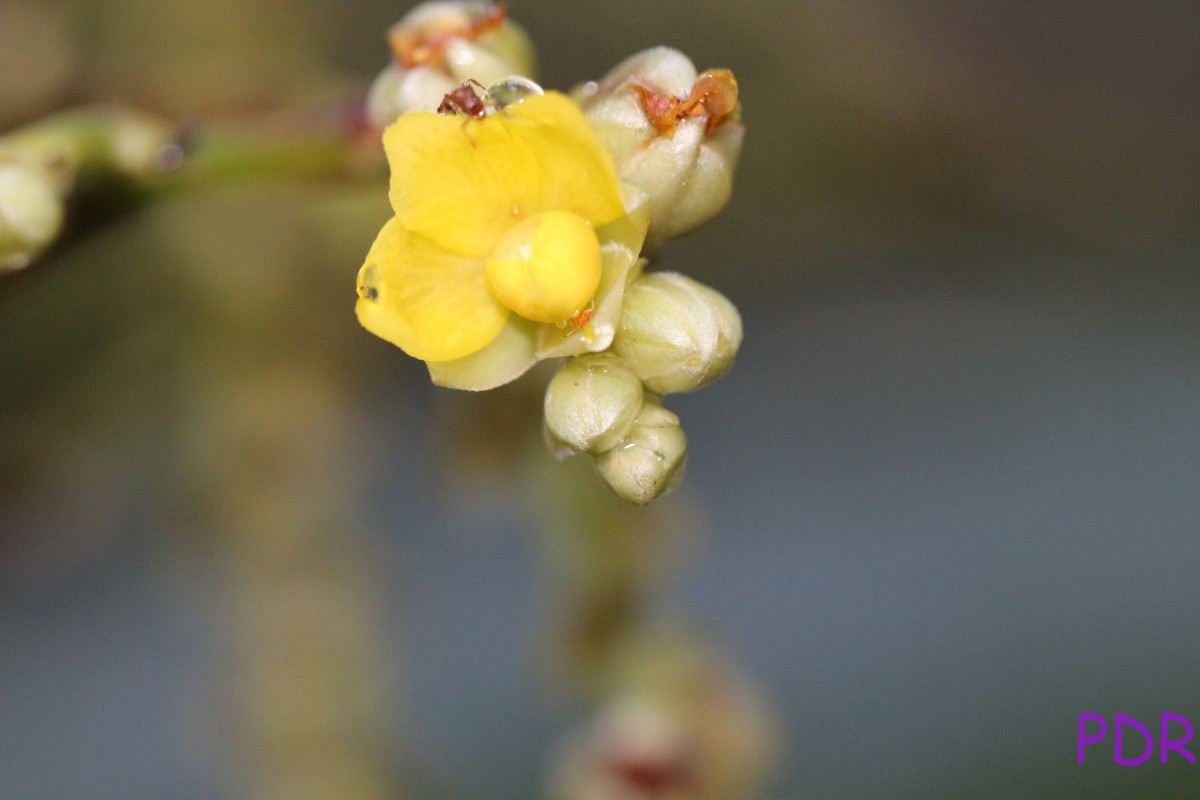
x: 945, y: 502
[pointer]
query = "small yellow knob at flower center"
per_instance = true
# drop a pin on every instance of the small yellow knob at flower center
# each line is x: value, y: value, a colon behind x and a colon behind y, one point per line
x: 546, y: 268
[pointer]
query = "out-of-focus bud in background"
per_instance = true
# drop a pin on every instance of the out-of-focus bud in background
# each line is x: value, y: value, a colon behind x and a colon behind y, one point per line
x: 440, y: 44
x: 682, y: 724
x: 633, y: 749
x: 41, y: 164
x: 672, y: 132
x: 31, y: 212
x: 396, y: 91
x: 89, y: 141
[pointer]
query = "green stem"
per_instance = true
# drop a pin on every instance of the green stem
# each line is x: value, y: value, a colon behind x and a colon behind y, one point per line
x: 100, y: 155
x: 92, y: 140
x: 223, y: 156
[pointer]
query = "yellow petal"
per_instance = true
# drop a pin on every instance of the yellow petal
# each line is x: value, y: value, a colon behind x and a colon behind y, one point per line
x: 429, y: 302
x: 459, y: 181
x: 577, y: 173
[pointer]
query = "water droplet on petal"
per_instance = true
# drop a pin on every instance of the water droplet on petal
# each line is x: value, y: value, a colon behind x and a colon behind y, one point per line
x: 366, y: 281
x: 511, y: 91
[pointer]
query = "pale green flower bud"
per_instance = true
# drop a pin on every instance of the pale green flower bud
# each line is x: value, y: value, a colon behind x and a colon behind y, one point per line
x: 671, y: 132
x: 41, y: 163
x: 676, y: 334
x: 99, y: 140
x: 396, y: 91
x: 477, y: 39
x: 142, y: 147
x: 592, y: 403
x: 440, y: 44
x: 650, y: 461
x: 31, y: 212
x: 504, y: 52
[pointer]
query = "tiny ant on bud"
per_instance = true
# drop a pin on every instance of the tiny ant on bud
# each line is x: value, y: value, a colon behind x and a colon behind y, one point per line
x: 714, y: 94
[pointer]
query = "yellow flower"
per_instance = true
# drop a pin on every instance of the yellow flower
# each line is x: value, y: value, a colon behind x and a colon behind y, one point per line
x: 505, y: 229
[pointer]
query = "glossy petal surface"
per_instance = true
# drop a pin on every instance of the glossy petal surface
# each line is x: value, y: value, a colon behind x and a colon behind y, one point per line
x: 431, y: 303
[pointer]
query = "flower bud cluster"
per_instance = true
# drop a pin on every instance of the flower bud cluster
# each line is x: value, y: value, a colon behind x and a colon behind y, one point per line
x: 675, y: 335
x: 491, y: 264
x: 674, y: 135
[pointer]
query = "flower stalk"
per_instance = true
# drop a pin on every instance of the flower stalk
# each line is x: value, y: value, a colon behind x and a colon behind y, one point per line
x: 85, y: 157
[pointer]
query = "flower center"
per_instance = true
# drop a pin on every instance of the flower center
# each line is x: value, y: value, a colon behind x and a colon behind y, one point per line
x: 546, y: 268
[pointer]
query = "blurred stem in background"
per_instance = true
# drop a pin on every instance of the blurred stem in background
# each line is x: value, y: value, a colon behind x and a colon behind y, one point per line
x: 667, y: 714
x: 271, y: 463
x: 673, y: 717
x: 262, y: 426
x: 202, y: 352
x: 309, y: 690
x: 197, y: 346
